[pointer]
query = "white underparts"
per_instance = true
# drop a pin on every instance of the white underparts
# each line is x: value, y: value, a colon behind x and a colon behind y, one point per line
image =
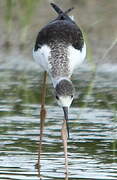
x: 76, y: 57
x: 41, y: 56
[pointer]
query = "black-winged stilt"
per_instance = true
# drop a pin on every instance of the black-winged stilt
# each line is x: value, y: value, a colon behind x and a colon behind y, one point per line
x: 59, y: 50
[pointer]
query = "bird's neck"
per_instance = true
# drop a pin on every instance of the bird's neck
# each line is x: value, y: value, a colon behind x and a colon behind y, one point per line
x: 56, y: 80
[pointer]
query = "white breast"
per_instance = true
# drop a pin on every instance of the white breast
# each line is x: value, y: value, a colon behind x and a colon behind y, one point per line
x: 76, y: 57
x: 41, y: 56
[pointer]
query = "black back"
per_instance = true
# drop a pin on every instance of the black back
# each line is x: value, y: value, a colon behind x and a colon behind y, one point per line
x: 62, y: 29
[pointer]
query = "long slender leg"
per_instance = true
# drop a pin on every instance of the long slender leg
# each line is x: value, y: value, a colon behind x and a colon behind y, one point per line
x: 66, y: 176
x: 42, y: 119
x: 64, y: 138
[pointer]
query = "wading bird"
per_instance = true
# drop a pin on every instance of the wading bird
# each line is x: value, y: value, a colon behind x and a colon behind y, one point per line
x: 59, y: 50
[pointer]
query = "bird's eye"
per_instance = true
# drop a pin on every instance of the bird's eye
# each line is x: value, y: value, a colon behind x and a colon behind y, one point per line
x: 71, y: 96
x: 57, y: 97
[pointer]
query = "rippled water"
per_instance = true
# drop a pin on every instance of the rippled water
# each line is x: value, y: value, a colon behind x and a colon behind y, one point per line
x: 92, y: 148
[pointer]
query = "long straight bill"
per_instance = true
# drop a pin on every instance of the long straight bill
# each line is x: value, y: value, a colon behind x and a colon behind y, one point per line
x: 65, y: 110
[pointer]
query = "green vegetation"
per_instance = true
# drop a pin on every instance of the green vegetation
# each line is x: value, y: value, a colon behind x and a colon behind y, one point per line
x: 20, y: 12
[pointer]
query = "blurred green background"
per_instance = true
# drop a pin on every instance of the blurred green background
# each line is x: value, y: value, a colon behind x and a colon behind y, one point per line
x: 20, y: 21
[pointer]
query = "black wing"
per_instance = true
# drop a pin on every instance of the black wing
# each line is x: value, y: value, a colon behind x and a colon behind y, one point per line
x: 62, y: 29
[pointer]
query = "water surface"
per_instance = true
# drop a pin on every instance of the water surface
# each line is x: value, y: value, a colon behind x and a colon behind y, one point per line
x: 92, y: 148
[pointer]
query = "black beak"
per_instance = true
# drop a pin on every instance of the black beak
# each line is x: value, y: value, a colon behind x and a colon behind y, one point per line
x: 65, y: 110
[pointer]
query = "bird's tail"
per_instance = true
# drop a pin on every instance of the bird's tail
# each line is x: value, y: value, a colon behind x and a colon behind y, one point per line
x: 56, y: 8
x: 60, y: 12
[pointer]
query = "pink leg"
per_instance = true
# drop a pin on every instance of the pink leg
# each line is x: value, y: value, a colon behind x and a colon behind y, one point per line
x: 64, y: 138
x: 42, y: 120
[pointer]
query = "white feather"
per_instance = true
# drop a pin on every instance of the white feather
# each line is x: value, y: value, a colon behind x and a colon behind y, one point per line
x: 65, y: 101
x: 72, y: 18
x: 41, y: 56
x: 76, y: 57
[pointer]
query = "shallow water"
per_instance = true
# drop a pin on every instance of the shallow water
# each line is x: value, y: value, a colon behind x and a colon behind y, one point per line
x: 92, y: 148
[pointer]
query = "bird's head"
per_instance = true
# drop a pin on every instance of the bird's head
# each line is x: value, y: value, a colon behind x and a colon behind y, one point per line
x: 64, y: 94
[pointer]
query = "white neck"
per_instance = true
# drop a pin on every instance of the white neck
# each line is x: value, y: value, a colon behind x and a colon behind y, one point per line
x: 56, y: 80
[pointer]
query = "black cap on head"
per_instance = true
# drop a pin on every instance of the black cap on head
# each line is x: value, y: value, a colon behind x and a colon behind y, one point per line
x: 64, y: 88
